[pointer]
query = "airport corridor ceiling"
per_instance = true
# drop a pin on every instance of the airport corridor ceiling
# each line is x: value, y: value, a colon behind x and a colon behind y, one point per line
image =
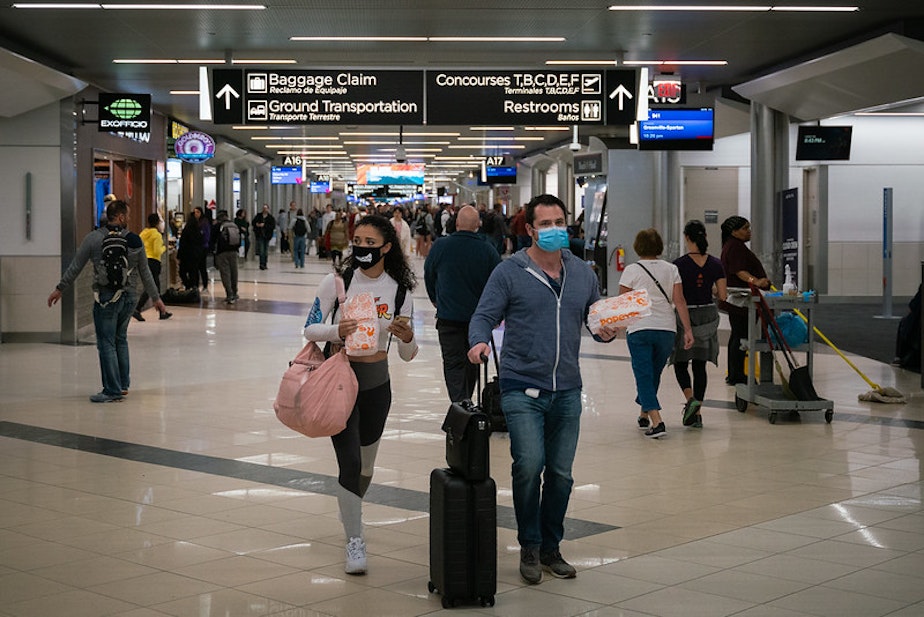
x: 710, y: 50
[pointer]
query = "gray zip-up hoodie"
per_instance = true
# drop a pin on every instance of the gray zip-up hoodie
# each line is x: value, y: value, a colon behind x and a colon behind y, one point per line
x: 542, y: 335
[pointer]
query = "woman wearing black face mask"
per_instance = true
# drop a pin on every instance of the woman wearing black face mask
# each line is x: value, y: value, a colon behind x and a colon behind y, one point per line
x: 378, y: 266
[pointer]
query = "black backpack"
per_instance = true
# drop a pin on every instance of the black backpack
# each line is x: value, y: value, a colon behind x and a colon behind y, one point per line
x: 229, y: 236
x: 300, y: 228
x: 113, y: 269
x: 451, y: 225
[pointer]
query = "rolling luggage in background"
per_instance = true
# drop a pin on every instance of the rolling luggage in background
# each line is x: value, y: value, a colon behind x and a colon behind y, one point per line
x: 463, y: 538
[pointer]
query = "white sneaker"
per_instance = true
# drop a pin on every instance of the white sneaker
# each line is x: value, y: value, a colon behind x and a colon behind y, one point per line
x: 355, y: 556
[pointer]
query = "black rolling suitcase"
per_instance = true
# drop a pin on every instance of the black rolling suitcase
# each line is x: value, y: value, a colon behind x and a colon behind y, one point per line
x: 463, y: 539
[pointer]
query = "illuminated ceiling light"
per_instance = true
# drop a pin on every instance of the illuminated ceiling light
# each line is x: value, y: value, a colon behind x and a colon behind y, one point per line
x: 496, y: 39
x: 292, y: 138
x: 277, y: 61
x: 900, y: 114
x: 546, y: 128
x: 818, y: 9
x: 583, y: 62
x: 144, y: 61
x: 55, y: 5
x: 384, y: 39
x: 738, y: 8
x: 387, y: 143
x: 187, y: 7
x: 340, y: 154
x: 490, y: 128
x: 324, y: 146
x: 412, y: 149
x: 487, y: 147
x: 689, y: 7
x: 252, y: 128
x: 212, y: 61
x: 506, y: 137
x: 181, y: 92
x: 675, y: 62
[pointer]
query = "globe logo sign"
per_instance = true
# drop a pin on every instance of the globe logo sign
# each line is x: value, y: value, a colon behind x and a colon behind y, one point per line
x: 124, y: 112
x: 194, y: 147
x: 124, y: 109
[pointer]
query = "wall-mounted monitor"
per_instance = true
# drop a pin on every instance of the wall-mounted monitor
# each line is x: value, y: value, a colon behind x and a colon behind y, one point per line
x: 677, y: 129
x: 499, y: 175
x: 285, y: 175
x: 319, y: 186
x: 823, y: 143
x: 394, y: 173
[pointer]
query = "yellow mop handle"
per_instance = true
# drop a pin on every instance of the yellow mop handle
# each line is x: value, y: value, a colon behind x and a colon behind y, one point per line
x: 873, y: 385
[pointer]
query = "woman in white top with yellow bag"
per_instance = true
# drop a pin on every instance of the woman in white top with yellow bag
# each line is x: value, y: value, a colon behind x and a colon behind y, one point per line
x: 378, y: 266
x: 651, y: 339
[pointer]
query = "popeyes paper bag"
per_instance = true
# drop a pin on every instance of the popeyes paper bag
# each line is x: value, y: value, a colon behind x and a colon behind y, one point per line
x: 622, y: 310
x: 364, y: 341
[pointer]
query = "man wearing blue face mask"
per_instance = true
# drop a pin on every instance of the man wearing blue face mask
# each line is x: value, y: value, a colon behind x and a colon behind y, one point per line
x: 543, y: 293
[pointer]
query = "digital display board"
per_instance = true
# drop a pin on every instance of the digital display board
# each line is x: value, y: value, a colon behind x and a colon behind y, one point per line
x: 286, y: 175
x: 499, y: 175
x: 318, y: 186
x: 677, y: 129
x: 395, y: 173
x: 823, y: 143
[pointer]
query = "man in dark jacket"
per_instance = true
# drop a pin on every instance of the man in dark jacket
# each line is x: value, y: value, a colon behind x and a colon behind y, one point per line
x: 455, y: 273
x: 263, y: 226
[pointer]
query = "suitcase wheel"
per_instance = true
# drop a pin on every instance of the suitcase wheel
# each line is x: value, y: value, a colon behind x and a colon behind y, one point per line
x: 431, y: 587
x: 447, y: 603
x: 488, y: 601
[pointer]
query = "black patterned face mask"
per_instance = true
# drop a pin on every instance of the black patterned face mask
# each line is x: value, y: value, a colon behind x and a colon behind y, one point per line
x: 367, y: 256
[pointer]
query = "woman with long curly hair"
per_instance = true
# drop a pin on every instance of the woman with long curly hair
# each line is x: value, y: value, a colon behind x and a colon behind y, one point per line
x: 377, y: 265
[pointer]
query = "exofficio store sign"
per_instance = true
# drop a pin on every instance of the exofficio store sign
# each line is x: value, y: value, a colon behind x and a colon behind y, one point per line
x: 119, y: 111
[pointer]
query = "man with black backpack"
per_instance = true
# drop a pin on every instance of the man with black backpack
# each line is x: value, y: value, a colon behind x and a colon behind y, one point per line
x: 118, y: 258
x: 227, y: 243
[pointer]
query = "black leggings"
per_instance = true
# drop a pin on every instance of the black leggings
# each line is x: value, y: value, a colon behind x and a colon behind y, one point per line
x: 739, y: 330
x: 365, y: 426
x: 699, y: 377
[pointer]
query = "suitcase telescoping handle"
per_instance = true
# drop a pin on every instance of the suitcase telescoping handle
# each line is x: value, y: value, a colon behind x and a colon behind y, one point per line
x: 484, y: 361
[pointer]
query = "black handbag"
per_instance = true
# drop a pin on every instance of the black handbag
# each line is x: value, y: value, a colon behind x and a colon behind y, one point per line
x: 491, y: 397
x: 468, y: 430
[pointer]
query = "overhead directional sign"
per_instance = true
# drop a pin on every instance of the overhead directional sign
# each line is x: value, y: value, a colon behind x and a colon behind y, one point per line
x: 621, y: 96
x: 227, y: 98
x: 321, y: 97
x: 291, y: 96
x: 515, y: 97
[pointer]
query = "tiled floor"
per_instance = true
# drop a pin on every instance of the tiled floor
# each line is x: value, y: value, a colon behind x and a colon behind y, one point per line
x: 190, y: 499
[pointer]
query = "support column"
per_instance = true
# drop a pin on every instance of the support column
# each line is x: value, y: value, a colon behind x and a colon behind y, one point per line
x: 224, y: 187
x: 769, y: 176
x: 193, y: 191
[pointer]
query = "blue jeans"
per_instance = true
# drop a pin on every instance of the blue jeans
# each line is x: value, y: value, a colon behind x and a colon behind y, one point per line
x: 262, y: 250
x: 299, y: 244
x: 543, y: 439
x: 650, y: 350
x: 111, y: 324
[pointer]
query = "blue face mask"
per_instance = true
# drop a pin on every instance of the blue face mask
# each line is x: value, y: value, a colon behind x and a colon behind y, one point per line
x: 553, y: 238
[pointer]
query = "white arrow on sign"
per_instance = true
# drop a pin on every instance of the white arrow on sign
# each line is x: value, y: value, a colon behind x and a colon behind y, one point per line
x: 228, y: 92
x: 622, y: 92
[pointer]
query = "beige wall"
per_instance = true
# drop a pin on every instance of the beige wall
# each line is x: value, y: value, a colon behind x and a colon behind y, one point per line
x: 855, y: 268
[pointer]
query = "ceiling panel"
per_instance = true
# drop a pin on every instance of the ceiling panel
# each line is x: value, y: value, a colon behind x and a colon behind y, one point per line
x: 83, y: 43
